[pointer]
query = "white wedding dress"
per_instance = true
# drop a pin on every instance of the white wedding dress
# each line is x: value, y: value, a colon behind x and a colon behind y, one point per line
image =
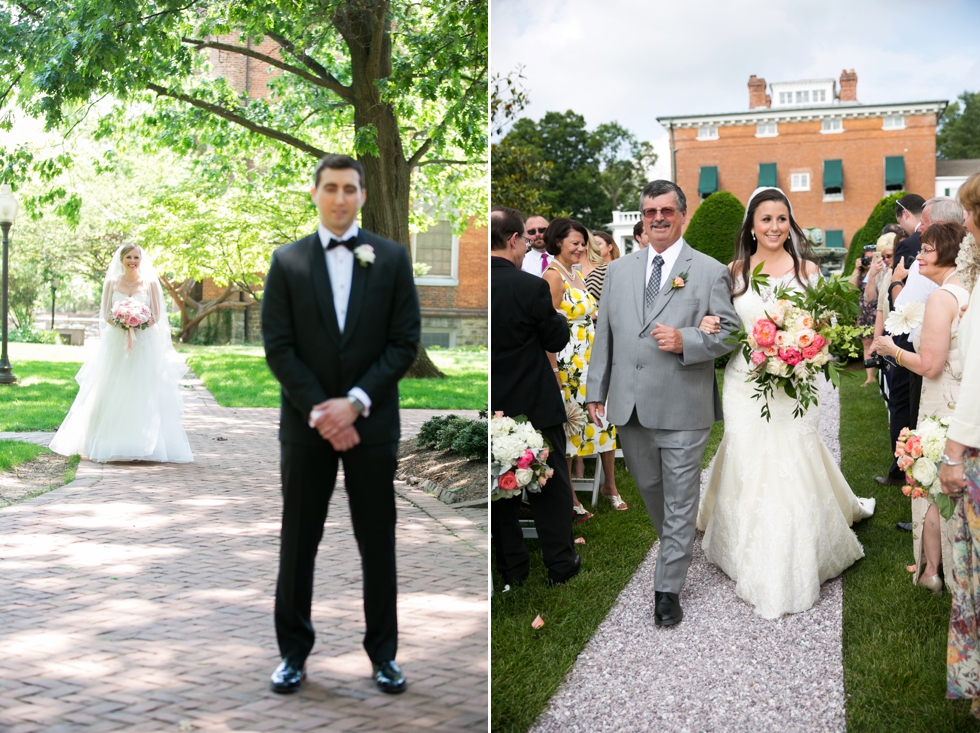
x: 129, y: 405
x: 777, y: 511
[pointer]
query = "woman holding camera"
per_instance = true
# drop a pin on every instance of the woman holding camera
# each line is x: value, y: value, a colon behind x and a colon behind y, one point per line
x: 936, y: 358
x: 866, y: 319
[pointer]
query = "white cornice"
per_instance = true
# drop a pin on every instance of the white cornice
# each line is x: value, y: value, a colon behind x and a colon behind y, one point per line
x: 790, y: 114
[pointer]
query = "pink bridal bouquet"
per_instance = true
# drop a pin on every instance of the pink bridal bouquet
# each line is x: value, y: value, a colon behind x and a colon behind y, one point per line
x: 790, y: 343
x: 517, y: 457
x: 130, y: 313
x: 918, y: 452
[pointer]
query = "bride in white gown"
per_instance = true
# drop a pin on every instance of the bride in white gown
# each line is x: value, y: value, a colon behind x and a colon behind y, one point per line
x: 777, y: 511
x: 129, y: 405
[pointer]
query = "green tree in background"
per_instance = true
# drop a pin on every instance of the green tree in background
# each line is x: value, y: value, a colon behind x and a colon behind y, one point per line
x: 958, y: 134
x: 882, y: 214
x: 714, y: 226
x: 624, y: 162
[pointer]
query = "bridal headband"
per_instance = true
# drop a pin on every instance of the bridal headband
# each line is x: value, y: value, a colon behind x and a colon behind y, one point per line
x: 792, y: 233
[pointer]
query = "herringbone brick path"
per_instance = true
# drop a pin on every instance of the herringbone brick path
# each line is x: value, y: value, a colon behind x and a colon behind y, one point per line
x: 139, y: 598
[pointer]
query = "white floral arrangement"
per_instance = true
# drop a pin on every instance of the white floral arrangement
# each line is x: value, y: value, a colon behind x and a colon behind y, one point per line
x: 968, y: 262
x: 364, y: 254
x: 905, y: 318
x: 919, y: 452
x: 517, y: 457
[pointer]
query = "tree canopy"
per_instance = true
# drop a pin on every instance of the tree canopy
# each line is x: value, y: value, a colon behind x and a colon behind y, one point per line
x: 958, y: 134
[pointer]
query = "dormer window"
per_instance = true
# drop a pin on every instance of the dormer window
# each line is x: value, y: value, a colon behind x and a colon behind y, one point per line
x: 708, y: 132
x: 819, y: 95
x: 786, y: 97
x: 803, y: 97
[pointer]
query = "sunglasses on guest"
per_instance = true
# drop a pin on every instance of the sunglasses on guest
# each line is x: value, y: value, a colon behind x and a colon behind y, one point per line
x: 540, y: 230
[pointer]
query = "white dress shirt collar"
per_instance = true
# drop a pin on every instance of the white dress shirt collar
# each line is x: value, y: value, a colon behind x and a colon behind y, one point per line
x: 669, y: 256
x: 326, y: 235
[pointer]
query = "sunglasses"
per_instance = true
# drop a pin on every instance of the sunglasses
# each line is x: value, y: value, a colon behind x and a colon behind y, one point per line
x: 540, y: 230
x: 667, y: 212
x: 903, y: 207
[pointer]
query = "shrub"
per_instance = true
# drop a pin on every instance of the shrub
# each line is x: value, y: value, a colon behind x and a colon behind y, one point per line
x: 715, y: 225
x: 30, y: 335
x: 882, y: 214
x: 458, y: 434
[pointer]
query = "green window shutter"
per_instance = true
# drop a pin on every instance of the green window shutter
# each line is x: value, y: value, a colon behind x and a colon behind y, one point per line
x: 895, y: 173
x: 834, y: 238
x: 833, y: 176
x: 708, y: 182
x: 767, y: 174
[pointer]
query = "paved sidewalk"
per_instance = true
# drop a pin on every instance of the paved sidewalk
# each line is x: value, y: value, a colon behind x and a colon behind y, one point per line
x: 139, y: 598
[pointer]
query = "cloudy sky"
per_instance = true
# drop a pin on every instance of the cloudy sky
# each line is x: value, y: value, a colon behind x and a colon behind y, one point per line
x: 634, y: 60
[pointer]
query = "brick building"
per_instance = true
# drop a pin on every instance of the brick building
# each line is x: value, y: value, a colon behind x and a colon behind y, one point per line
x: 453, y: 294
x: 833, y: 156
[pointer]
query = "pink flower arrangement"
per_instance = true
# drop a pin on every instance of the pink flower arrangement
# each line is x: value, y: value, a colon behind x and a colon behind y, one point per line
x: 791, y: 356
x: 518, y: 455
x: 758, y: 358
x: 130, y: 313
x: 764, y: 332
x: 918, y: 452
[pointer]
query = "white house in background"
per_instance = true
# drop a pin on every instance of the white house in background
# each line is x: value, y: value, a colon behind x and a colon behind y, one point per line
x: 951, y: 174
x: 621, y: 229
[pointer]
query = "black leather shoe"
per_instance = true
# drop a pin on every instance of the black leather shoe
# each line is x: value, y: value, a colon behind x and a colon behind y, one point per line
x: 389, y: 678
x: 576, y: 567
x: 888, y: 481
x: 287, y: 678
x: 904, y: 526
x: 667, y: 609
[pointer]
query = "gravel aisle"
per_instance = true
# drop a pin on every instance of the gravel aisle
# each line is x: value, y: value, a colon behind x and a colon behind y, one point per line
x: 722, y: 669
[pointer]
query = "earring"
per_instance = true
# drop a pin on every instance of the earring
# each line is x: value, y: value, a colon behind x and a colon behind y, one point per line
x: 753, y: 236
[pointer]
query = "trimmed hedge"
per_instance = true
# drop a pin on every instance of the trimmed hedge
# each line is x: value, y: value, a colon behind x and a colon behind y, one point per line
x: 469, y: 438
x: 715, y: 225
x: 882, y: 214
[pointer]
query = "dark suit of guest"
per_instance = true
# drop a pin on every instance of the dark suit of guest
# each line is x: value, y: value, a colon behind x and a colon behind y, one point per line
x: 315, y: 360
x: 524, y: 326
x: 904, y: 387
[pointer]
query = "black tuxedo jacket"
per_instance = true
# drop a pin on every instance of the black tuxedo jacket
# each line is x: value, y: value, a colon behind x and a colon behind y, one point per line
x: 907, y: 249
x: 308, y: 354
x: 524, y: 325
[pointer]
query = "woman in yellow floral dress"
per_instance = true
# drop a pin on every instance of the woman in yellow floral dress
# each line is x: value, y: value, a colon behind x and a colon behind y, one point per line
x: 565, y: 239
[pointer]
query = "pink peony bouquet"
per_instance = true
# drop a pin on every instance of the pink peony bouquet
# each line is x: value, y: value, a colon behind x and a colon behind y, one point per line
x: 918, y: 452
x: 130, y: 313
x: 789, y: 344
x: 517, y: 457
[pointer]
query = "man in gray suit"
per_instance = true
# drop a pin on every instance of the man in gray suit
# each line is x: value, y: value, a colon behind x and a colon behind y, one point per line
x: 656, y: 367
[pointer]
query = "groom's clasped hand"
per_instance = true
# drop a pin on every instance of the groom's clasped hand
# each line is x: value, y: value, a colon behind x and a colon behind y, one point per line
x: 334, y: 421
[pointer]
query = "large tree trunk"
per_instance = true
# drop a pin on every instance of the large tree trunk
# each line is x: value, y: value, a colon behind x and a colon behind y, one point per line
x: 193, y: 312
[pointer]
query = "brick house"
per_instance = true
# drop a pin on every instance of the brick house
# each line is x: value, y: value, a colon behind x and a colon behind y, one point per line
x: 834, y: 157
x: 453, y: 294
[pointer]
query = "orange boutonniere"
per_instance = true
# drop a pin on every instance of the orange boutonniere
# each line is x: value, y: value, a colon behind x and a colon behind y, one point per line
x: 679, y: 282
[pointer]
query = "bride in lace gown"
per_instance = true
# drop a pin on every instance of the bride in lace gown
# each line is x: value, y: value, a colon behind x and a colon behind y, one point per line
x: 777, y: 511
x: 129, y: 405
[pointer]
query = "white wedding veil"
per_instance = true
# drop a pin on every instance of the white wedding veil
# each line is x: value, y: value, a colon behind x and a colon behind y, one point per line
x: 794, y: 237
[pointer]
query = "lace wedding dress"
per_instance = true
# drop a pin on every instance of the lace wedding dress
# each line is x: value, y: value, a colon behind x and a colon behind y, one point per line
x: 129, y: 405
x: 777, y: 511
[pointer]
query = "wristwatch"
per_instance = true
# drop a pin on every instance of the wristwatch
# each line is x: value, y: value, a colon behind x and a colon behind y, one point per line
x: 356, y: 404
x: 947, y: 461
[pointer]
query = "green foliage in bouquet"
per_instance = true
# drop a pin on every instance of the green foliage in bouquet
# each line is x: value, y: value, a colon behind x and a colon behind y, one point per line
x: 715, y: 225
x: 882, y: 214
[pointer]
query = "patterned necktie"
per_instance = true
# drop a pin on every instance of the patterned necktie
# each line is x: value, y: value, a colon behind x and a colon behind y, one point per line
x: 653, y: 284
x: 544, y: 261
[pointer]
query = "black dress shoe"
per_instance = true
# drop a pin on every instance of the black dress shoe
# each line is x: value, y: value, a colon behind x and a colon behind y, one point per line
x: 388, y: 677
x: 667, y: 609
x: 287, y: 678
x: 576, y: 567
x: 888, y: 481
x: 904, y: 526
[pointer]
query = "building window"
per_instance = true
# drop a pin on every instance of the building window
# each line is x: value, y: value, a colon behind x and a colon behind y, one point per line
x: 803, y: 97
x: 894, y: 173
x: 708, y: 132
x: 799, y: 182
x: 834, y: 238
x: 766, y: 129
x: 786, y: 97
x: 833, y: 180
x: 893, y: 122
x: 767, y: 175
x: 442, y: 337
x: 438, y: 248
x: 832, y: 124
x: 707, y: 181
x: 819, y: 95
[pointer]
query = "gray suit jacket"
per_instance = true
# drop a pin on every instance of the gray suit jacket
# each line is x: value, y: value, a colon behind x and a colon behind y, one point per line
x: 628, y: 370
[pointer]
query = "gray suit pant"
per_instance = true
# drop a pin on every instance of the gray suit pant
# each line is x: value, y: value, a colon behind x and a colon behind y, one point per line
x: 666, y: 465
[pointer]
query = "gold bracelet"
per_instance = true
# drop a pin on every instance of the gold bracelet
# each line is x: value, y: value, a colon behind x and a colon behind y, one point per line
x: 898, y: 357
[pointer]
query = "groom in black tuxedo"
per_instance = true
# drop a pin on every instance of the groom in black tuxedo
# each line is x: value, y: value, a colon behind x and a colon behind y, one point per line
x: 340, y: 322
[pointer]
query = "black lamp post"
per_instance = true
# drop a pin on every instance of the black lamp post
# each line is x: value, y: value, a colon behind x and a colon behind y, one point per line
x: 55, y: 282
x: 8, y: 212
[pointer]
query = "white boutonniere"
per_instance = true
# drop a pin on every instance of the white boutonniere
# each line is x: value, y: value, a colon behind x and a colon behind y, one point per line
x: 679, y: 282
x: 364, y: 254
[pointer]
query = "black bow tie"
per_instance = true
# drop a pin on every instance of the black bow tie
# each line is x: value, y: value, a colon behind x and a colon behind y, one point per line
x: 348, y: 243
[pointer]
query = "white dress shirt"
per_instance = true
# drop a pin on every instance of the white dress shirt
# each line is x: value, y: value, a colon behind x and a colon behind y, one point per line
x: 669, y: 256
x: 532, y: 262
x: 340, y: 268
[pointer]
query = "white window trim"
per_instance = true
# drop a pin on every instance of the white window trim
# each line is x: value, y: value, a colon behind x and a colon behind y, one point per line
x: 884, y: 121
x: 833, y: 196
x: 703, y: 133
x: 794, y: 187
x: 824, y: 131
x: 767, y: 134
x: 440, y: 280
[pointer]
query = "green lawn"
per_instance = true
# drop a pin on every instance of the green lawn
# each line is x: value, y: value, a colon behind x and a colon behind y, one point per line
x: 41, y: 397
x: 239, y: 377
x: 528, y: 665
x: 894, y: 634
x: 13, y: 453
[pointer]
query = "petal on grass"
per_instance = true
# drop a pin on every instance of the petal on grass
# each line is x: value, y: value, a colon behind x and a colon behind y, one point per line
x: 538, y: 622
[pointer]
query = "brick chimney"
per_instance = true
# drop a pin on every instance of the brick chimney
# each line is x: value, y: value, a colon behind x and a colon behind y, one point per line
x: 848, y: 86
x: 757, y: 93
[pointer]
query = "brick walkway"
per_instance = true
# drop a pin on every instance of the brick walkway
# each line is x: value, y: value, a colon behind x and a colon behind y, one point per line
x: 139, y: 597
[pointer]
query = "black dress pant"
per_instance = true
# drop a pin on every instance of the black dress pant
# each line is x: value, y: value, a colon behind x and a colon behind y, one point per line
x: 308, y: 477
x: 552, y: 511
x: 901, y: 385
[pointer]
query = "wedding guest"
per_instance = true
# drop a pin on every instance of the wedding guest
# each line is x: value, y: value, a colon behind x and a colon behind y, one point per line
x: 524, y: 327
x: 606, y: 252
x: 936, y: 360
x: 640, y: 235
x: 960, y: 478
x: 866, y: 318
x: 537, y: 259
x: 878, y: 277
x: 565, y: 239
